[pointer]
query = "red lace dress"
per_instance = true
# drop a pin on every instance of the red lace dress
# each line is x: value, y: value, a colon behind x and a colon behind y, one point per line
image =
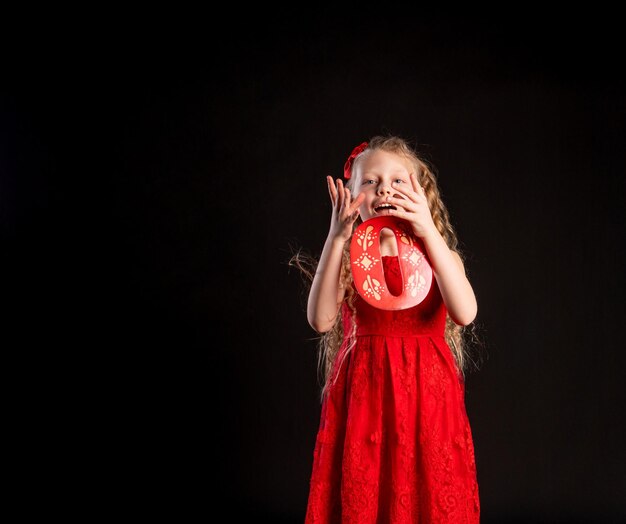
x: 394, y: 442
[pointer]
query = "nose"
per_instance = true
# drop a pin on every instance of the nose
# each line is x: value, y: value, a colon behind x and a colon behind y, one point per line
x: 384, y: 189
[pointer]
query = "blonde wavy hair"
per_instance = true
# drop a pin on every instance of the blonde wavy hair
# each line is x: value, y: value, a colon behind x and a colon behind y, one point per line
x: 329, y: 343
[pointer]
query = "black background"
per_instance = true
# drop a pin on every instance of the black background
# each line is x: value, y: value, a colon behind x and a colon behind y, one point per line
x: 159, y: 170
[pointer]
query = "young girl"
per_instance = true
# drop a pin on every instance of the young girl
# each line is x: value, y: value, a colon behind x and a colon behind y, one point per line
x: 394, y: 442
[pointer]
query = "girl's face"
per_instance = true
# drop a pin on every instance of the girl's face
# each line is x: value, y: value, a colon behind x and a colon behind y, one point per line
x: 377, y: 174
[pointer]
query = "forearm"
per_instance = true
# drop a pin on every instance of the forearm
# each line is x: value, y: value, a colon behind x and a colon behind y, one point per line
x: 326, y: 292
x: 456, y: 290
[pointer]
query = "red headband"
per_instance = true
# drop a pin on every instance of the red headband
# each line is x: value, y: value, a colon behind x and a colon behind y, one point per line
x: 347, y: 168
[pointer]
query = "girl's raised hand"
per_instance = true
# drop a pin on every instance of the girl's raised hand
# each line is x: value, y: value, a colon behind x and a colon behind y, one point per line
x: 414, y: 208
x: 345, y: 209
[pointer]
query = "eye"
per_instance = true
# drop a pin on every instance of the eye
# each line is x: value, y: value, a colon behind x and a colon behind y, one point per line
x: 369, y: 182
x: 398, y: 180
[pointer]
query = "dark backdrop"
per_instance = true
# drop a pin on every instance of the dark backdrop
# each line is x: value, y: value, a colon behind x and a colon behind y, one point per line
x: 158, y: 172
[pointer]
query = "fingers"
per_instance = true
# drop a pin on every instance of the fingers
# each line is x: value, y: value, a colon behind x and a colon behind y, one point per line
x: 413, y: 192
x: 414, y: 195
x: 337, y: 192
x: 402, y: 204
x: 342, y: 197
x: 405, y: 190
x: 342, y: 201
x: 401, y: 213
x: 416, y: 185
x: 347, y: 197
x: 355, y: 204
x: 332, y: 190
x: 341, y: 194
x: 347, y: 210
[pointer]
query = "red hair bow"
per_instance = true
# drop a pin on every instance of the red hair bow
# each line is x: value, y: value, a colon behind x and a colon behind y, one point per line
x: 347, y: 168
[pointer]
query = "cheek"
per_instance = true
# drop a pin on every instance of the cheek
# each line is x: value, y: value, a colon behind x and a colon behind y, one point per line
x: 366, y: 197
x: 366, y: 205
x: 357, y: 192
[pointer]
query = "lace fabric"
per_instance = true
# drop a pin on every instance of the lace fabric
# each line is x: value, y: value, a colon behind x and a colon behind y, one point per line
x: 394, y: 443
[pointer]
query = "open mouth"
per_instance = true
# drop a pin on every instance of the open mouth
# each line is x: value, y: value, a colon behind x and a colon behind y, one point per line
x: 382, y: 207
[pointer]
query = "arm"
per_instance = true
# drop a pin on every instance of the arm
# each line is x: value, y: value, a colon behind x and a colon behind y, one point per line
x: 448, y: 269
x: 326, y: 292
